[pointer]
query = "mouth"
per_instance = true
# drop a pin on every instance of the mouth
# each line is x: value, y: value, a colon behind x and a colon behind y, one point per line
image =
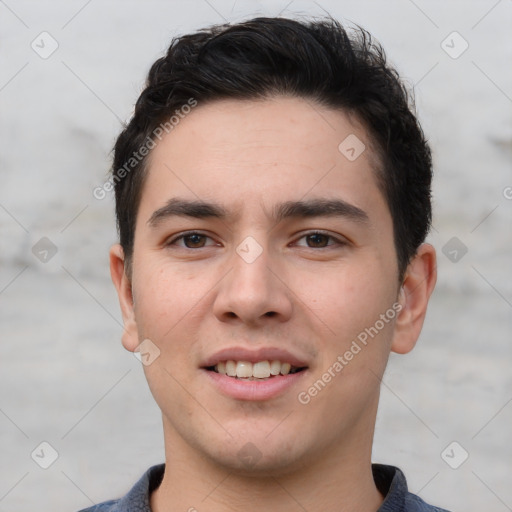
x: 254, y: 374
x: 257, y: 371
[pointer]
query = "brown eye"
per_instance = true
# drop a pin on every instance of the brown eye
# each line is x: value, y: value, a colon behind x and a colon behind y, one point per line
x: 191, y: 240
x: 194, y: 241
x: 318, y: 240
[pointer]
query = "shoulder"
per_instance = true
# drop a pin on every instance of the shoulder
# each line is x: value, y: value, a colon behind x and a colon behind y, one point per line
x: 414, y: 503
x: 392, y: 485
x: 107, y: 506
x: 137, y: 499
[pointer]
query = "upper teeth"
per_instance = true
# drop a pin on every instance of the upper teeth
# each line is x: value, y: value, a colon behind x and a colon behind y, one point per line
x: 260, y: 370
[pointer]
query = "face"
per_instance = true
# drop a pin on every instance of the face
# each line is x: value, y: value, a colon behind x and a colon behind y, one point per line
x: 259, y: 241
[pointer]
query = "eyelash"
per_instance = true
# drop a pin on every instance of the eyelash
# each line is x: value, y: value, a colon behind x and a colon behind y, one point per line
x: 310, y: 233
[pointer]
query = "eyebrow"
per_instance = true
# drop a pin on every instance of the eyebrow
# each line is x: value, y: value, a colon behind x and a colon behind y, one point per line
x: 289, y: 209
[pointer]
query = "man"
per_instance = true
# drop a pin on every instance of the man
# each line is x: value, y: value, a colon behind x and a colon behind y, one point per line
x: 273, y: 198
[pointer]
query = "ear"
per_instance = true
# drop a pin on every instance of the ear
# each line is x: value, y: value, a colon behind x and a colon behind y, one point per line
x: 123, y: 286
x: 419, y: 281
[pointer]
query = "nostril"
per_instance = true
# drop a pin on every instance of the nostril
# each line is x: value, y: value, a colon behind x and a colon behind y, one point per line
x: 270, y: 313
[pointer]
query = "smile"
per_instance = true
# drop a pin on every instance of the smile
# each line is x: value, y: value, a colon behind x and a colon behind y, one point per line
x: 260, y: 370
x: 244, y: 384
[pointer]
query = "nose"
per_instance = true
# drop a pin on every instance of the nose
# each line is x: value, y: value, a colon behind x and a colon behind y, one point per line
x: 254, y: 292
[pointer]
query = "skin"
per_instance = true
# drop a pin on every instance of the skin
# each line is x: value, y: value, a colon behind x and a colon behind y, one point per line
x: 190, y: 302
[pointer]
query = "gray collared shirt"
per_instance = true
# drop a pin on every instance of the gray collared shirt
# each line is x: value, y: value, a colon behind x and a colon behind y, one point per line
x: 389, y: 480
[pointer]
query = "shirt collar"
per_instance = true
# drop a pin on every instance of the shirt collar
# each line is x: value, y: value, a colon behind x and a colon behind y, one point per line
x: 390, y: 482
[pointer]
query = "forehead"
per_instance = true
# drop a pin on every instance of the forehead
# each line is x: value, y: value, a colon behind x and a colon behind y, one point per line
x: 263, y: 152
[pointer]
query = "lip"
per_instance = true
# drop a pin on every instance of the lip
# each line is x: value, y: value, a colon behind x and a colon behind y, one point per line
x: 253, y: 356
x: 252, y: 389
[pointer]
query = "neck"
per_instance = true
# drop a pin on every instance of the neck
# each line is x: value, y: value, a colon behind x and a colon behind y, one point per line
x: 339, y: 480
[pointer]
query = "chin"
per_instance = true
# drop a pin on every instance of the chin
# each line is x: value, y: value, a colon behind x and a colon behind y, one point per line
x: 259, y: 458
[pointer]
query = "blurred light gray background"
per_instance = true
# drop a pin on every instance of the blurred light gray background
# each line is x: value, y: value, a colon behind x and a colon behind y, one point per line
x: 65, y: 379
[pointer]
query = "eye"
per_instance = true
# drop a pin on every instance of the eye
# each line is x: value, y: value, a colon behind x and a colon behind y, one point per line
x: 197, y: 240
x: 320, y: 240
x: 191, y: 240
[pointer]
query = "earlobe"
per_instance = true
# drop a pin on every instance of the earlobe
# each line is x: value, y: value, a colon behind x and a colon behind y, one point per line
x: 125, y: 295
x: 419, y: 281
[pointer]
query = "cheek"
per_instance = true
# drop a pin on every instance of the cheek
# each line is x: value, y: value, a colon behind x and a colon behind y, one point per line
x: 166, y: 307
x: 347, y: 300
x: 160, y: 303
x: 357, y: 344
x: 171, y: 309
